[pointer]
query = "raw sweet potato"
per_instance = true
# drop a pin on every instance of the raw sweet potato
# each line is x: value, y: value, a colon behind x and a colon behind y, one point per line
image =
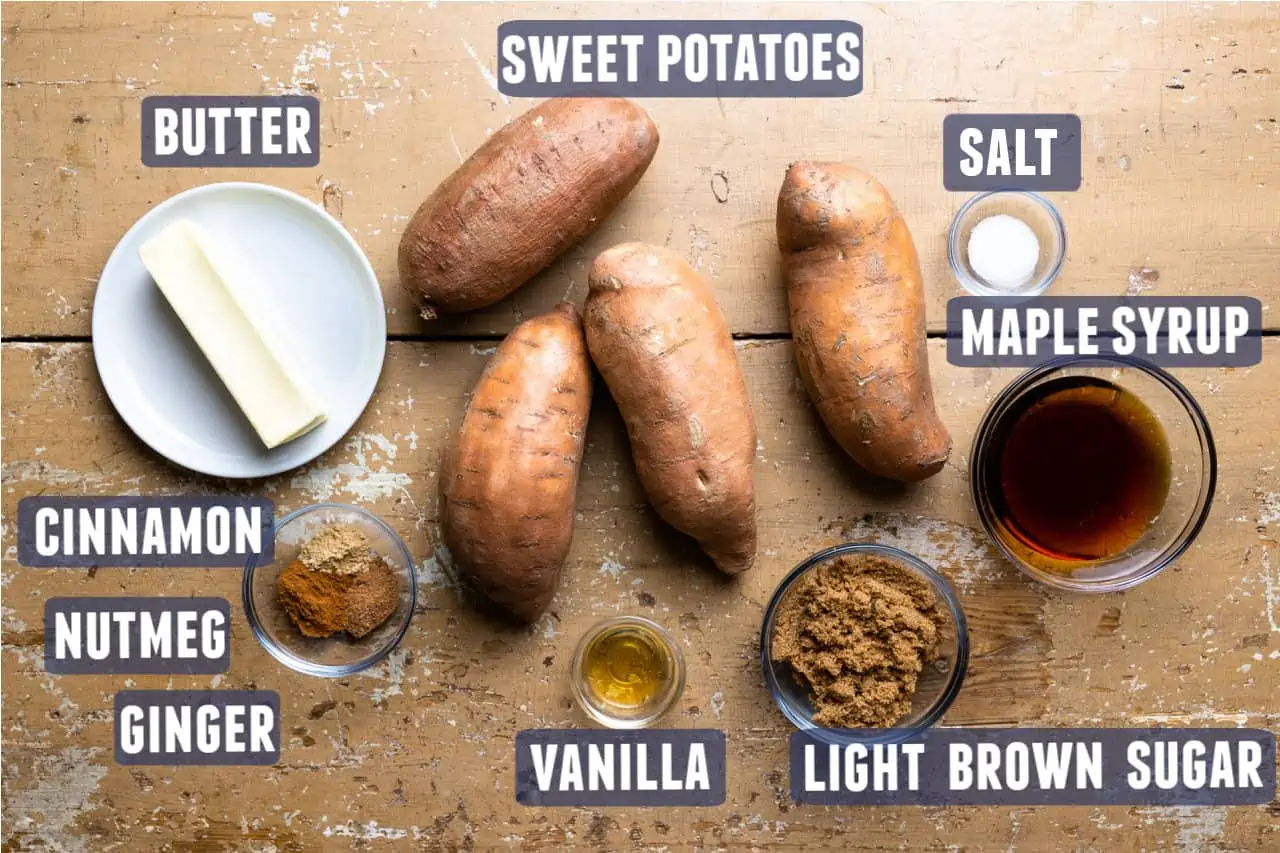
x: 856, y: 300
x: 509, y: 479
x: 663, y: 347
x: 532, y: 190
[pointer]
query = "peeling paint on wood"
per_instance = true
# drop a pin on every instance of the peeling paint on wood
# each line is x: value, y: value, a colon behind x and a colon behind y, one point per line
x: 417, y: 752
x: 372, y: 760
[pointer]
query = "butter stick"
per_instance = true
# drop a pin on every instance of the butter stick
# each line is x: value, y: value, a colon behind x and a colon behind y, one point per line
x: 196, y: 277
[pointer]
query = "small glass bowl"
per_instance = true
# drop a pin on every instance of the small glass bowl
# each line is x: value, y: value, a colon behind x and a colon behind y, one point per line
x: 1192, y: 480
x: 1040, y: 215
x: 614, y: 716
x: 340, y: 654
x: 937, y: 687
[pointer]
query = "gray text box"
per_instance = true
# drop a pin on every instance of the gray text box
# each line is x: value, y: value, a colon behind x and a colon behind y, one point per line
x: 149, y: 727
x: 810, y: 59
x: 230, y: 130
x: 546, y: 760
x: 126, y: 530
x: 971, y: 151
x: 1114, y: 324
x: 1085, y: 767
x: 89, y: 625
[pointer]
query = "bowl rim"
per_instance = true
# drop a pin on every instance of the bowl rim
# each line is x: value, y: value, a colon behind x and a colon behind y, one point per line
x: 577, y: 680
x: 297, y: 662
x: 891, y: 734
x: 1190, y: 530
x: 976, y: 286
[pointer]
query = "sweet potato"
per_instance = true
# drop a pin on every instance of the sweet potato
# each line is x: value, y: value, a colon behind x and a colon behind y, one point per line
x: 532, y: 190
x: 509, y: 479
x: 662, y: 346
x: 856, y: 300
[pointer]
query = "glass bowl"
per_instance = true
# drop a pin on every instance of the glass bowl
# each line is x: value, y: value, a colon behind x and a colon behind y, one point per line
x: 1193, y: 475
x: 1040, y: 215
x: 616, y: 716
x: 340, y: 654
x: 938, y: 685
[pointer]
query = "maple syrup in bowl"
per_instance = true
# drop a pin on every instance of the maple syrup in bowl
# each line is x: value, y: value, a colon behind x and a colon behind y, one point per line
x: 1093, y: 474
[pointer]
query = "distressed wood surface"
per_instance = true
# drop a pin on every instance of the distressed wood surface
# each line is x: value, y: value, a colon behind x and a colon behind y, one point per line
x: 421, y: 747
x: 1180, y: 109
x: 1181, y: 121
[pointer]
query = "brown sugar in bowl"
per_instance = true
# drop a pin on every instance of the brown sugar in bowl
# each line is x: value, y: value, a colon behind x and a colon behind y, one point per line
x: 935, y: 688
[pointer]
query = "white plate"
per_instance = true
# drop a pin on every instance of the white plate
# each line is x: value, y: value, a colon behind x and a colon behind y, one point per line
x: 321, y: 290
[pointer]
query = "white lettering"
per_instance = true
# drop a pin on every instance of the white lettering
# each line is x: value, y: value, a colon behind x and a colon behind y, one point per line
x: 971, y: 165
x: 1127, y: 341
x: 299, y: 125
x: 850, y: 67
x: 668, y: 55
x: 132, y: 735
x: 960, y: 764
x: 698, y: 776
x: 66, y: 634
x: 1088, y: 330
x: 571, y: 769
x: 1237, y: 325
x: 46, y: 543
x: 977, y: 336
x: 998, y: 160
x: 1140, y: 776
x: 1046, y: 135
x: 166, y: 131
x: 513, y: 69
x: 544, y: 764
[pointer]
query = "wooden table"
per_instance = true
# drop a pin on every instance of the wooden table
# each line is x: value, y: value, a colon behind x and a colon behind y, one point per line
x: 1181, y: 195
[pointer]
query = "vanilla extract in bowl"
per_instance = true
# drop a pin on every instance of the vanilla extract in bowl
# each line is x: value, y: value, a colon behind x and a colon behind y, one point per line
x: 1079, y: 470
x: 627, y: 672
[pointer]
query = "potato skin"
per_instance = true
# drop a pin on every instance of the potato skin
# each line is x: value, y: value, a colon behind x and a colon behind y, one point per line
x: 856, y: 300
x: 510, y: 477
x: 662, y: 346
x: 539, y: 185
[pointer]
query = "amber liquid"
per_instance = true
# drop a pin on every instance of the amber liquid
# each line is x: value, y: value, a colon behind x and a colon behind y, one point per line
x: 1082, y: 469
x: 627, y: 667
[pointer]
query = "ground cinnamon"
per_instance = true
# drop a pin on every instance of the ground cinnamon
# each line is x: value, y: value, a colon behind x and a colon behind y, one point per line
x: 315, y: 601
x: 857, y: 632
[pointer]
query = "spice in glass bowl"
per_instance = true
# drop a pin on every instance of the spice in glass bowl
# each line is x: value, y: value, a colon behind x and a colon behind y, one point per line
x: 338, y: 583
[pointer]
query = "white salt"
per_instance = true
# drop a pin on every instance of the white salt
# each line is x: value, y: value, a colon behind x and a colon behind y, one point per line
x: 1004, y: 252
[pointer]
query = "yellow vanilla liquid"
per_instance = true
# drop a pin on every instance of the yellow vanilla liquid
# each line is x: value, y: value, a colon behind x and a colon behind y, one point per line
x: 627, y: 667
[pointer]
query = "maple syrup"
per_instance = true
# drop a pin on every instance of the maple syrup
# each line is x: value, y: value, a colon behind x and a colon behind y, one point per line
x: 1079, y: 470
